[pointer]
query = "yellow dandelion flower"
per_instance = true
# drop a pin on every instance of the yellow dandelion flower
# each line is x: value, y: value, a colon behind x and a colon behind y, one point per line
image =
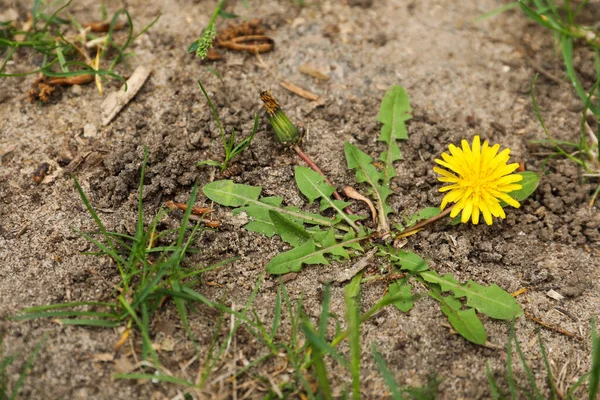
x: 479, y: 178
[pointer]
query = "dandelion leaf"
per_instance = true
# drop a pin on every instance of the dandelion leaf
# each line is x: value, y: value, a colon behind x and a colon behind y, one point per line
x: 246, y: 198
x: 290, y: 231
x: 399, y: 288
x: 530, y: 182
x: 360, y: 162
x: 292, y: 260
x: 260, y: 221
x: 405, y: 260
x: 465, y: 322
x: 228, y: 193
x: 313, y: 186
x: 311, y: 252
x: 394, y: 112
x: 491, y: 300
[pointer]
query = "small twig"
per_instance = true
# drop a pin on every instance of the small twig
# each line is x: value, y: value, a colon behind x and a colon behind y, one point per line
x: 257, y: 44
x: 298, y: 90
x: 73, y: 80
x: 553, y: 327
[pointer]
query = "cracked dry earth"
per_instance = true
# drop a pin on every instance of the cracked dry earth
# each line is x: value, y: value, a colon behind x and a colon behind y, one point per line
x: 463, y: 79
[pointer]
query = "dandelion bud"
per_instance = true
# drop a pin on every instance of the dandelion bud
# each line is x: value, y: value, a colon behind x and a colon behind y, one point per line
x: 287, y: 133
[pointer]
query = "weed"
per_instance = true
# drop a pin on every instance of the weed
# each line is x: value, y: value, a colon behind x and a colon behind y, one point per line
x: 341, y: 237
x: 62, y: 42
x: 534, y: 392
x: 149, y: 276
x: 204, y: 43
x: 230, y: 148
x: 562, y: 22
x: 6, y: 392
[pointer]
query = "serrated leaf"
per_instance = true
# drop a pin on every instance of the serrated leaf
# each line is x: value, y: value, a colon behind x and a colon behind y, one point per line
x: 405, y: 260
x: 228, y: 193
x: 292, y: 260
x: 308, y: 253
x: 290, y: 232
x: 465, y: 322
x: 260, y: 220
x: 366, y: 172
x: 492, y: 300
x: 400, y: 288
x: 313, y: 186
x: 231, y: 194
x: 394, y: 112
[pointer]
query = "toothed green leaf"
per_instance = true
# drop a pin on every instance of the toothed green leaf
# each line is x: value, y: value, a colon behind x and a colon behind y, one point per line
x: 228, y: 193
x: 465, y: 322
x: 313, y: 186
x: 394, y: 112
x: 232, y: 194
x: 400, y: 288
x: 360, y: 162
x: 492, y: 300
x: 309, y: 253
x: 405, y: 260
x: 290, y: 231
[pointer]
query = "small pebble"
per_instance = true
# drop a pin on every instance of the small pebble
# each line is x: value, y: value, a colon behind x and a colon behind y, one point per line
x: 90, y: 131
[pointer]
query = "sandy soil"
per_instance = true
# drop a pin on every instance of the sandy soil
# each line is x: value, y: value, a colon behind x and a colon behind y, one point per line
x: 463, y: 79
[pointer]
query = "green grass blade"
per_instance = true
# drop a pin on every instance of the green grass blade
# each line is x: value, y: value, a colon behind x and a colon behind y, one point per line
x: 277, y: 316
x: 27, y: 368
x: 182, y: 310
x: 528, y: 372
x: 595, y: 373
x: 387, y: 375
x: 496, y: 11
x: 549, y: 376
x: 214, y: 111
x: 69, y: 313
x: 352, y: 299
x: 158, y: 377
x: 567, y: 51
x: 102, y: 323
x: 512, y: 385
x: 494, y: 389
x: 143, y: 327
x: 68, y: 305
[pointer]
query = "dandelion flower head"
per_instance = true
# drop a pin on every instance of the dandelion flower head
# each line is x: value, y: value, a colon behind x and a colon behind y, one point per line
x: 478, y: 178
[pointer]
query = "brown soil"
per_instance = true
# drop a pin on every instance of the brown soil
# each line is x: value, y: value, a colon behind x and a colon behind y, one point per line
x: 463, y: 79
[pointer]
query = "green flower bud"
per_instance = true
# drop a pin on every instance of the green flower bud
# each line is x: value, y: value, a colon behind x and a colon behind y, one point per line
x: 287, y: 133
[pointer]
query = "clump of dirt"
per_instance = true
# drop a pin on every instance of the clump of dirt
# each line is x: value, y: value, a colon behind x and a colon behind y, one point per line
x: 463, y: 79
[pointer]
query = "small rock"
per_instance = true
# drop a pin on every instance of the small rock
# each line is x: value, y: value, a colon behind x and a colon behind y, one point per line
x: 90, y: 130
x: 77, y: 90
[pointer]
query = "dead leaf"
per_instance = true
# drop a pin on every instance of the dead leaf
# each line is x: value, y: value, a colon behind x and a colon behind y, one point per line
x: 115, y: 101
x: 353, y: 194
x: 312, y: 71
x: 554, y: 295
x: 103, y: 357
x: 168, y: 344
x: 299, y: 91
x: 123, y: 366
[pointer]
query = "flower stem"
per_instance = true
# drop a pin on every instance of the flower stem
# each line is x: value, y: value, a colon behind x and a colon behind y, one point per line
x: 423, y: 224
